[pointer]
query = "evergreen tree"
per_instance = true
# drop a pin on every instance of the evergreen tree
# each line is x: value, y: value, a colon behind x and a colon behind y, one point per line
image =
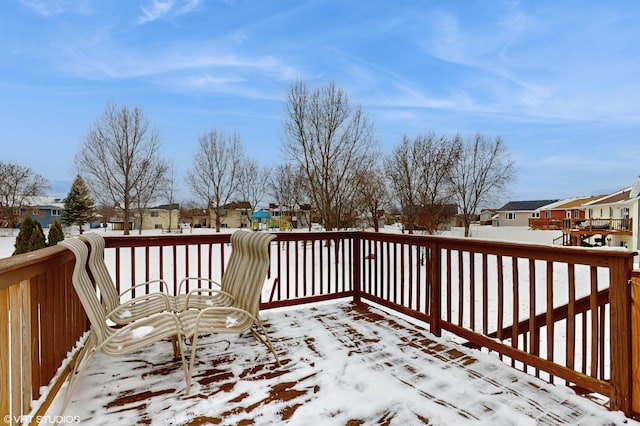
x: 36, y: 240
x: 30, y: 236
x: 55, y: 233
x: 22, y: 240
x: 78, y: 206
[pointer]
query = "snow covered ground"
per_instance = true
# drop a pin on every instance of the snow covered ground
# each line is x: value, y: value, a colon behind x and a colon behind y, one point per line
x: 337, y: 368
x: 505, y: 233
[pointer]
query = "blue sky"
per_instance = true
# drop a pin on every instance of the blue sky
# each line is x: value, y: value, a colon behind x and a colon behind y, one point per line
x: 559, y: 81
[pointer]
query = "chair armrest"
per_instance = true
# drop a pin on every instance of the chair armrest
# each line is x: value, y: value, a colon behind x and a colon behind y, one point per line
x: 164, y: 287
x: 144, y: 298
x: 209, y: 280
x: 146, y: 321
x: 211, y: 291
x: 219, y: 309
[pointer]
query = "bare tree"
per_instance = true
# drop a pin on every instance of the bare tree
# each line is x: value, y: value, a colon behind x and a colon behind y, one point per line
x: 402, y: 168
x: 120, y: 160
x: 332, y: 143
x: 289, y: 188
x: 482, y: 172
x: 252, y: 183
x: 373, y: 194
x: 150, y: 187
x: 17, y: 183
x: 420, y: 173
x: 216, y: 167
x: 436, y: 158
x: 169, y: 188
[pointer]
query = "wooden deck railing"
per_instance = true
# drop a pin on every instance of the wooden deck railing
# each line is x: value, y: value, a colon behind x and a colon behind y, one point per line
x: 549, y: 311
x: 593, y: 225
x: 546, y: 223
x: 553, y: 312
x: 41, y: 320
x: 585, y: 224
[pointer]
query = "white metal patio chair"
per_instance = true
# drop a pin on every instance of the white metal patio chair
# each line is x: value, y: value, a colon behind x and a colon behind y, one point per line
x: 245, y: 286
x: 109, y: 340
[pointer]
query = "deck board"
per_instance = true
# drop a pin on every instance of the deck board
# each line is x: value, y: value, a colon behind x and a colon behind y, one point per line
x: 341, y: 364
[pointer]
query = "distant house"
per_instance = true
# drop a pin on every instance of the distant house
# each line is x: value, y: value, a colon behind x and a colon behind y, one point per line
x: 290, y: 217
x: 551, y: 216
x: 518, y: 213
x: 163, y: 217
x: 567, y: 208
x: 621, y: 212
x: 442, y: 217
x: 43, y: 209
x: 198, y: 218
x: 486, y: 216
x: 236, y: 214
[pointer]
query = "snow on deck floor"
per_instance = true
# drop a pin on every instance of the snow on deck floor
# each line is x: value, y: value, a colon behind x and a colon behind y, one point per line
x: 341, y: 364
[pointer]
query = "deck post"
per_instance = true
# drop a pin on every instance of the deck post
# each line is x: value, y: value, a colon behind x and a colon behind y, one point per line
x: 635, y: 343
x: 621, y: 359
x: 355, y: 268
x: 435, y: 293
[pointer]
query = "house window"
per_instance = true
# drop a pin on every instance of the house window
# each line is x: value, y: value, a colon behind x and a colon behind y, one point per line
x: 155, y: 214
x: 535, y: 214
x: 157, y: 226
x: 590, y: 213
x: 624, y: 212
x: 568, y: 214
x: 510, y: 216
x: 576, y: 214
x: 547, y: 214
x: 610, y: 211
x: 55, y: 212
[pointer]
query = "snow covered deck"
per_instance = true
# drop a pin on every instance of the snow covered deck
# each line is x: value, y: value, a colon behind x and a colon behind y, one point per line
x: 342, y: 364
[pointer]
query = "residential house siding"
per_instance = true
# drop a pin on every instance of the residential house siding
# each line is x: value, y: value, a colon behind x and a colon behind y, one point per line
x: 518, y: 213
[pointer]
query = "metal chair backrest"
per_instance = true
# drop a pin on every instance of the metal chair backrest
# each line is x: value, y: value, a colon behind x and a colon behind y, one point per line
x: 245, y: 281
x: 99, y: 270
x: 86, y: 291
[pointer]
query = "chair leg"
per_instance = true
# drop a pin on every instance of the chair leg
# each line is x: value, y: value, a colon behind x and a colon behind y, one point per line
x: 177, y: 341
x: 87, y: 351
x: 177, y: 347
x: 266, y: 341
x: 189, y: 371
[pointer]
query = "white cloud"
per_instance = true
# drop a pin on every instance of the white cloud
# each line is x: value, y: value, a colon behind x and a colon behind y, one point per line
x: 161, y: 8
x: 156, y: 10
x: 49, y: 8
x: 189, y: 6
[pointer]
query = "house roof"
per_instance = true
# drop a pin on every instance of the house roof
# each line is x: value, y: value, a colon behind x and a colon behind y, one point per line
x: 243, y: 205
x: 173, y: 206
x: 570, y: 203
x: 525, y: 205
x: 44, y: 201
x: 621, y: 195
